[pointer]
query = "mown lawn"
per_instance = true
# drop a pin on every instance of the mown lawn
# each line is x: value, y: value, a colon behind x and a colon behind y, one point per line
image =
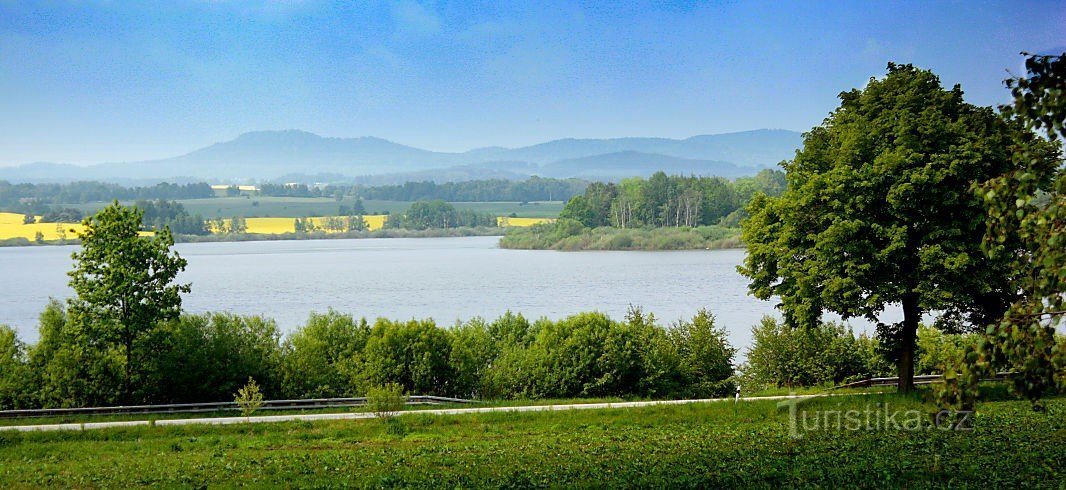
x: 695, y: 446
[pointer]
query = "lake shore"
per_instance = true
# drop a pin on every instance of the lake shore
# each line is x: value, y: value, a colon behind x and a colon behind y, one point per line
x: 314, y: 235
x: 553, y: 237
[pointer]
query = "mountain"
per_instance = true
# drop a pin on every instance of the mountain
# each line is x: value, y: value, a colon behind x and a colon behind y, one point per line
x: 635, y: 163
x: 275, y: 155
x: 759, y: 148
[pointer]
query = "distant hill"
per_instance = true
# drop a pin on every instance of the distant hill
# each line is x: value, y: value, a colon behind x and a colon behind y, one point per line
x: 635, y: 163
x: 758, y: 148
x: 276, y: 155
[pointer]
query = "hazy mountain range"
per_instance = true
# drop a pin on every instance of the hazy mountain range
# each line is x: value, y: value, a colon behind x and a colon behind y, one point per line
x: 301, y: 156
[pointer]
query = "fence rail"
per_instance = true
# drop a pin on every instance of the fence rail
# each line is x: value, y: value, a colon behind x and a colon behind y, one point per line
x: 918, y: 380
x: 308, y: 404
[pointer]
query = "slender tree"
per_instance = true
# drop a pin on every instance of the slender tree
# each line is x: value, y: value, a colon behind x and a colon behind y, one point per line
x: 124, y: 282
x: 879, y: 210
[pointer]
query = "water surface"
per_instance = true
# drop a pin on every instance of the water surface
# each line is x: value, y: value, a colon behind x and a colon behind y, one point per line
x: 442, y: 278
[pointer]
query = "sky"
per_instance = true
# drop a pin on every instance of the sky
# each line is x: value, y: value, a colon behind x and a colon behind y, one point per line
x: 95, y: 81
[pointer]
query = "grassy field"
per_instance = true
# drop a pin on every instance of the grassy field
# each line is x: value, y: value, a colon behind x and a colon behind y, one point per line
x: 690, y: 446
x: 295, y: 207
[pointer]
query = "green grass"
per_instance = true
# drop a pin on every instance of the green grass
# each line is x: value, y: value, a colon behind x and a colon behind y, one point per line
x: 691, y: 446
x: 560, y: 237
x: 294, y: 207
x: 78, y: 419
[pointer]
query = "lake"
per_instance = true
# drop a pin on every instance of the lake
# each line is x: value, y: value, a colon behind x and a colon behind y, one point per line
x: 446, y: 279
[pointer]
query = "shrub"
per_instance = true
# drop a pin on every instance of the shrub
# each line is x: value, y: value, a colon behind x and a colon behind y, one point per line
x: 937, y: 349
x: 413, y: 354
x: 320, y: 359
x: 830, y: 353
x: 209, y: 356
x: 386, y: 400
x: 249, y: 398
x: 706, y: 356
x: 14, y: 372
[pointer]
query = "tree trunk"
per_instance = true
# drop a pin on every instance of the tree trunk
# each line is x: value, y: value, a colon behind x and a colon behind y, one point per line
x: 912, y: 314
x: 127, y: 383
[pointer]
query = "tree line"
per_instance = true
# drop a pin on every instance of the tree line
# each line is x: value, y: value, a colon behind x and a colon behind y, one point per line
x: 40, y: 199
x: 162, y: 213
x: 669, y: 201
x: 207, y: 357
x: 438, y: 214
x: 531, y: 189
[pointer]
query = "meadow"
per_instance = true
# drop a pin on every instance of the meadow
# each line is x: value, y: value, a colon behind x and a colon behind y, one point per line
x: 683, y: 446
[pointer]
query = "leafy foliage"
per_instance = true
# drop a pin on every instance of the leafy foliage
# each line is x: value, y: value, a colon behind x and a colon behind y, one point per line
x: 423, y: 215
x: 666, y: 201
x: 828, y: 353
x: 14, y: 371
x: 48, y: 199
x: 249, y: 398
x: 124, y: 283
x: 386, y: 400
x: 321, y: 358
x: 208, y: 357
x: 879, y: 210
x: 1026, y: 225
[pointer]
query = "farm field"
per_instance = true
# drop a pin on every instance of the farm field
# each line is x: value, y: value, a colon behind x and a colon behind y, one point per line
x: 685, y: 446
x: 11, y: 226
x: 505, y: 221
x: 276, y: 226
x: 299, y: 207
x: 284, y: 222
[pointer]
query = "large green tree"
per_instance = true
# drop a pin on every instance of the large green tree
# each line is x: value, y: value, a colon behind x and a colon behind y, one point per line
x: 880, y: 211
x: 124, y: 282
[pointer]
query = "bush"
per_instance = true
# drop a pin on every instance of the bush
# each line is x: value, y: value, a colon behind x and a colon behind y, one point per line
x: 706, y: 357
x: 321, y: 359
x: 249, y: 398
x: 386, y: 400
x: 782, y: 356
x: 15, y: 380
x: 937, y: 349
x: 70, y: 368
x: 208, y: 357
x: 414, y: 354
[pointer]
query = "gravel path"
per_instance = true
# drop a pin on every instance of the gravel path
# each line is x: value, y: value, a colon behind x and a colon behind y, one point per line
x: 364, y: 415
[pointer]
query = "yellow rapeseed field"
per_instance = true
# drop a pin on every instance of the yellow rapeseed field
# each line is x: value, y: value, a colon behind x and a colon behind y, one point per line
x: 271, y: 226
x: 505, y: 221
x: 11, y: 226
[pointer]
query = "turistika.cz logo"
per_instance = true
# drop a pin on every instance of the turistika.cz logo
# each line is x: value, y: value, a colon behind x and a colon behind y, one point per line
x: 875, y: 416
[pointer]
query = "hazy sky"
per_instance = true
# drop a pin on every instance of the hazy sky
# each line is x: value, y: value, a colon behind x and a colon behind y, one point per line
x: 92, y: 81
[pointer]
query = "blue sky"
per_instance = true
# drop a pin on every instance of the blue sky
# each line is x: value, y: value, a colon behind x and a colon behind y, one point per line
x: 93, y: 81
